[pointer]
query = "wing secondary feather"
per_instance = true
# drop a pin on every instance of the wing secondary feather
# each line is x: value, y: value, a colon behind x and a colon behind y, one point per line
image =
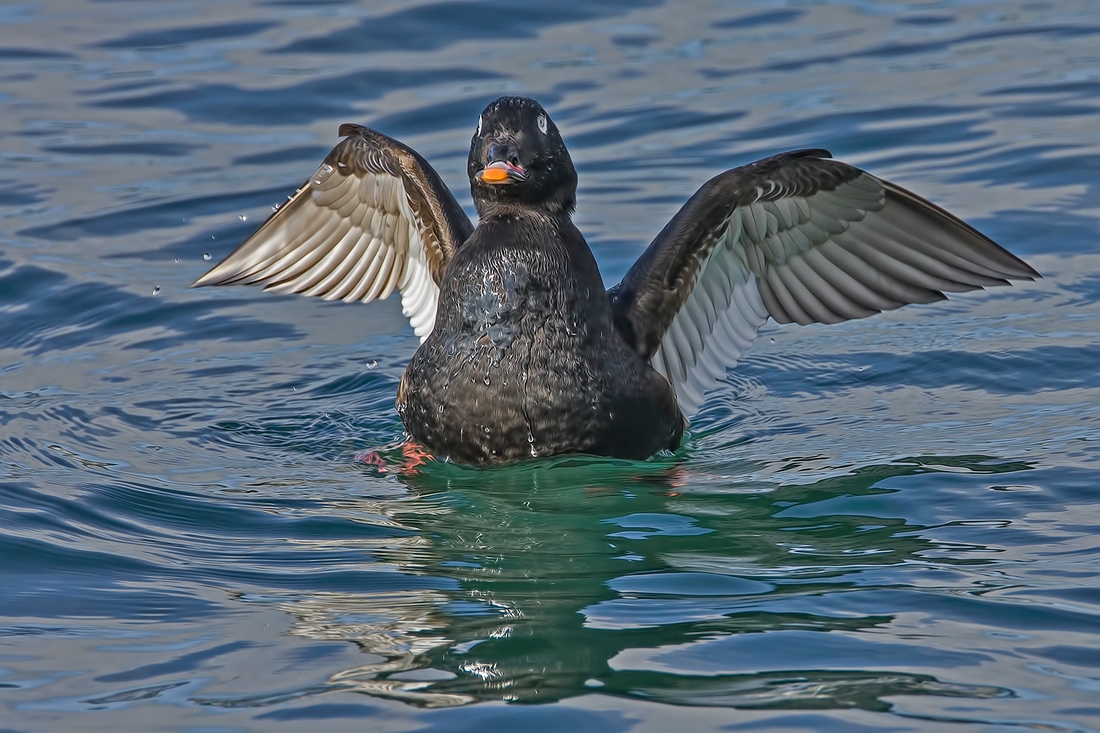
x: 797, y: 237
x: 374, y: 218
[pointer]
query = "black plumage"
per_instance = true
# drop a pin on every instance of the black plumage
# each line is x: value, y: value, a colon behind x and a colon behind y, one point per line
x: 523, y: 351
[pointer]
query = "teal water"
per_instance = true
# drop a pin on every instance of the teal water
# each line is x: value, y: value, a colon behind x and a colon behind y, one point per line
x: 890, y: 524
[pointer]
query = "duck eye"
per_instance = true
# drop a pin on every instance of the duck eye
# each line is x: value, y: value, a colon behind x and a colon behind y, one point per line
x: 542, y: 123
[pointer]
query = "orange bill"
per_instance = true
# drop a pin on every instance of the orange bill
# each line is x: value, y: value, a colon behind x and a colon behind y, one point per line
x: 494, y: 175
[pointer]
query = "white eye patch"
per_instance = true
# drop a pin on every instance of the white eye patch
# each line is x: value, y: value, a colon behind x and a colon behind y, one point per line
x: 541, y: 121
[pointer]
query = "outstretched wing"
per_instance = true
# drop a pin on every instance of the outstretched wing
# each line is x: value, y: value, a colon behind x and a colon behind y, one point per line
x: 374, y: 217
x: 795, y: 237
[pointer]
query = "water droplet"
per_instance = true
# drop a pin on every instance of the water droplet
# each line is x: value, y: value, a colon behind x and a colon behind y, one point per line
x: 441, y: 409
x: 243, y: 217
x: 206, y: 256
x: 771, y: 340
x: 326, y: 168
x: 486, y: 380
x: 317, y: 181
x: 177, y: 259
x: 372, y: 364
x: 156, y: 290
x: 342, y: 165
x: 275, y: 207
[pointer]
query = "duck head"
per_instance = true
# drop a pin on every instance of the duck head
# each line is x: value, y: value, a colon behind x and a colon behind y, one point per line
x: 517, y: 158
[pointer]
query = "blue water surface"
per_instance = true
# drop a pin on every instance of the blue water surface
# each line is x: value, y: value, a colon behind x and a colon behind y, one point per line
x: 888, y: 524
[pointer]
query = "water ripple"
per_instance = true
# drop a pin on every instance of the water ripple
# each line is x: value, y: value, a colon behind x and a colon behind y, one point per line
x: 206, y: 512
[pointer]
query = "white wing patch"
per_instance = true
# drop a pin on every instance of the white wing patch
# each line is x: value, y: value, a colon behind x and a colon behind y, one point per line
x: 778, y: 242
x: 862, y: 247
x: 716, y: 325
x: 419, y: 293
x: 341, y: 237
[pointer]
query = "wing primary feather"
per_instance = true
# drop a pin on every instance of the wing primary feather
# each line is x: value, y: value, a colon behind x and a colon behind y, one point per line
x: 268, y: 247
x: 362, y: 262
x: 294, y: 260
x: 934, y: 257
x: 836, y: 302
x: 375, y: 217
x: 328, y: 274
x: 790, y: 304
x: 285, y: 275
x: 916, y: 268
x: 796, y: 237
x: 863, y: 296
x: 260, y: 247
x: 981, y: 250
x: 317, y: 280
x: 802, y: 294
x: 886, y: 286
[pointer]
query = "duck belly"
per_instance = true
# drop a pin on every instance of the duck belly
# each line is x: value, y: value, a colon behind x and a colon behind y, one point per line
x: 519, y: 368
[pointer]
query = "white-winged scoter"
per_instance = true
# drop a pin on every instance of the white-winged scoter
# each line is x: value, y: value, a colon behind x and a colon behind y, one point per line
x: 524, y: 353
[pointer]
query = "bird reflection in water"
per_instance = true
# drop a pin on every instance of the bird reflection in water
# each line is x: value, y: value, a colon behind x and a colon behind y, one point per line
x: 544, y: 581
